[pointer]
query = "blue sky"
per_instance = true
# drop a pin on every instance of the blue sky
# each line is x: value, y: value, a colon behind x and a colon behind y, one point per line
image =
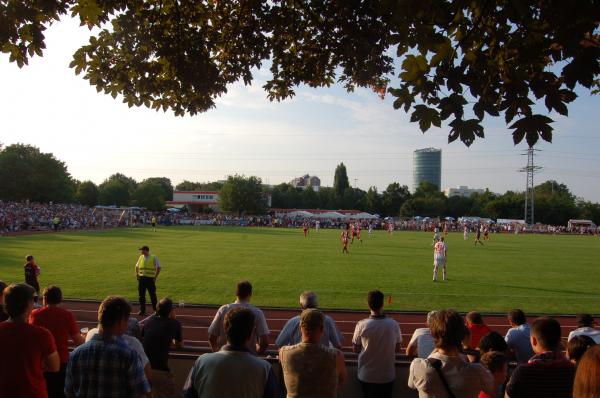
x: 47, y: 105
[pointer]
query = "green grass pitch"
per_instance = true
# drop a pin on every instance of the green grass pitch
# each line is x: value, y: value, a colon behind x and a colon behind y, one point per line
x: 538, y: 273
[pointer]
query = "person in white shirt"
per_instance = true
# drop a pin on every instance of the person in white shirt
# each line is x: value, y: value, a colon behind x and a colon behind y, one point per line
x: 421, y: 343
x: 260, y: 334
x: 585, y: 323
x: 440, y: 254
x: 376, y: 339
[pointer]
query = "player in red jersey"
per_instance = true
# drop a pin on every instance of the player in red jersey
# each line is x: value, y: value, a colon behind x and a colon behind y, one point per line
x: 305, y: 228
x: 357, y: 230
x: 344, y: 238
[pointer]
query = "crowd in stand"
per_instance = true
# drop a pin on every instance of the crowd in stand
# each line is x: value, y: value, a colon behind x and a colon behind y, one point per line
x: 126, y: 358
x: 24, y: 216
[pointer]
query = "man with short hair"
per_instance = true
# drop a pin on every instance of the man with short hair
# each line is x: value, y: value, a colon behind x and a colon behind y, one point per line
x: 61, y: 323
x: 311, y: 369
x: 147, y: 269
x: 477, y: 328
x: 259, y: 341
x: 585, y: 327
x: 376, y: 339
x: 421, y: 343
x: 291, y: 334
x: 32, y: 271
x: 548, y: 373
x: 159, y: 333
x: 518, y: 336
x: 26, y: 350
x: 106, y: 366
x: 3, y: 314
x: 233, y: 371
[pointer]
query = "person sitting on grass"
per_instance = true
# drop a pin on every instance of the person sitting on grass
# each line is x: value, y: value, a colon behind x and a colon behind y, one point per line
x: 577, y: 346
x: 497, y: 363
x: 548, y: 373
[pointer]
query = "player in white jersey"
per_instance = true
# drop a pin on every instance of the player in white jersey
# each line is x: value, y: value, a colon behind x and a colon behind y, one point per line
x: 436, y: 235
x: 317, y: 225
x: 370, y: 228
x: 466, y: 233
x: 440, y: 254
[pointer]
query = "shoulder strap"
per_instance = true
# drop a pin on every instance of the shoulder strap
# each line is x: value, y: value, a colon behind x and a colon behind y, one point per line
x: 437, y: 365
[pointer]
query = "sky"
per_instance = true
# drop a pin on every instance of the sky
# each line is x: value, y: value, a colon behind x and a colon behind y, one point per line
x: 45, y: 104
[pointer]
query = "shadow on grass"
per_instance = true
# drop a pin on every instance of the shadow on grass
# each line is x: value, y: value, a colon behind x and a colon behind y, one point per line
x: 529, y: 288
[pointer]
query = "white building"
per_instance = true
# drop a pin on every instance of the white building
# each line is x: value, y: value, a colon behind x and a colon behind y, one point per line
x: 307, y: 181
x: 462, y: 190
x: 196, y: 201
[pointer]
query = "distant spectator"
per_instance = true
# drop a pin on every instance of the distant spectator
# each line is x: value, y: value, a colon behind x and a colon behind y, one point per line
x: 26, y: 351
x: 493, y: 341
x: 159, y: 333
x: 311, y: 369
x: 577, y: 346
x: 233, y: 371
x: 32, y: 270
x: 477, y: 328
x: 421, y: 343
x: 587, y: 378
x: 106, y: 366
x: 290, y: 334
x: 61, y: 323
x: 586, y: 323
x: 548, y: 373
x: 260, y: 333
x: 3, y: 314
x: 497, y: 363
x: 464, y: 379
x: 376, y: 340
x: 517, y: 337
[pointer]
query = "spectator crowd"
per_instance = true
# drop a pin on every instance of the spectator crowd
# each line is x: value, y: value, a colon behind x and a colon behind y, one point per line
x: 454, y: 356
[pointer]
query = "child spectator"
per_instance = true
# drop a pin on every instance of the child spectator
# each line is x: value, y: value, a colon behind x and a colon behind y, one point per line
x: 497, y: 363
x: 577, y: 346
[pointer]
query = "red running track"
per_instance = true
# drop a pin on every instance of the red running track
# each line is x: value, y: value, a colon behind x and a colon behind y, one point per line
x: 196, y: 319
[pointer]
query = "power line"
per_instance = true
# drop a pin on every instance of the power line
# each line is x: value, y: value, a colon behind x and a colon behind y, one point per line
x: 530, y: 169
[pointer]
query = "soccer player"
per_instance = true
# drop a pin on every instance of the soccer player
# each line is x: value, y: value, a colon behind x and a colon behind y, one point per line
x: 344, y: 237
x: 357, y: 230
x: 317, y: 225
x: 305, y: 228
x: 153, y: 221
x: 440, y: 254
x: 370, y: 228
x: 390, y: 227
x: 486, y: 233
x: 478, y: 235
x: 436, y: 235
x: 466, y: 233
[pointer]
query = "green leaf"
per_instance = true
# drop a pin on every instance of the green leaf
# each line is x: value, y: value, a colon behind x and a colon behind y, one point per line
x: 426, y: 117
x: 532, y: 127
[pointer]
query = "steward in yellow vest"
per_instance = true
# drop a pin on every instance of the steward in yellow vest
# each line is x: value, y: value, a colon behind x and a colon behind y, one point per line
x: 147, y: 269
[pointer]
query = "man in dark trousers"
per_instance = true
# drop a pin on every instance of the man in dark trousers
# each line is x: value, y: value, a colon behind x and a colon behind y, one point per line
x: 147, y: 269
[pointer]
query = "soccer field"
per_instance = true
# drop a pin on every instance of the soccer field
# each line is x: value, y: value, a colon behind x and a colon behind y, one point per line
x: 538, y: 273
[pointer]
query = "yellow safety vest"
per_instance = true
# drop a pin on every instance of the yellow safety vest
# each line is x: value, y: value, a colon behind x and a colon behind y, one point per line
x: 146, y: 266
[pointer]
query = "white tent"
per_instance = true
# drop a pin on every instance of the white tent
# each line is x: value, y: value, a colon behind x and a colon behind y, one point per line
x: 362, y: 216
x: 300, y: 213
x: 331, y: 214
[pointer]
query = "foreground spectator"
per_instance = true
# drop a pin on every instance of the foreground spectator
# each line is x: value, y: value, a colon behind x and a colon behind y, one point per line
x: 587, y: 378
x: 233, y: 371
x: 421, y: 343
x: 464, y: 379
x: 493, y: 341
x: 290, y: 334
x: 586, y: 323
x: 61, y: 323
x: 3, y: 314
x: 106, y: 366
x: 32, y: 271
x: 26, y: 350
x: 517, y: 337
x: 376, y: 339
x: 577, y: 346
x: 311, y: 369
x: 477, y: 328
x: 159, y: 332
x: 260, y: 333
x: 548, y: 373
x: 497, y: 363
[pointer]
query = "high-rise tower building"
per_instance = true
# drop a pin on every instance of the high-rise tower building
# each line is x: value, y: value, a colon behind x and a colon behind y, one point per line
x: 427, y: 166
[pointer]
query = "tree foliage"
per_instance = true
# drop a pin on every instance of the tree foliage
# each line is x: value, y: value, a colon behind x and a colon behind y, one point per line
x: 242, y: 195
x: 198, y: 186
x: 443, y: 61
x: 28, y: 174
x: 340, y: 180
x: 151, y: 194
x: 117, y: 190
x: 87, y: 193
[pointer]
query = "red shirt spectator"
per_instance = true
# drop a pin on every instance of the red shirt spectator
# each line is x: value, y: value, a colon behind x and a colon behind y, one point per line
x: 477, y: 328
x: 61, y: 323
x: 24, y: 348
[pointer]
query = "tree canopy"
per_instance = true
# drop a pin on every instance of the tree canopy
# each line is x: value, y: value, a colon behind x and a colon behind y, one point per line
x: 340, y: 180
x: 242, y: 195
x: 444, y: 61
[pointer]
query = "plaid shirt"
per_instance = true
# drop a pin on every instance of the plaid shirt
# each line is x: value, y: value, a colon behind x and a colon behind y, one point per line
x: 105, y: 369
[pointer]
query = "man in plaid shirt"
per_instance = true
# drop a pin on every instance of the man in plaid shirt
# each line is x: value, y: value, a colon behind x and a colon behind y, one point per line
x: 105, y: 366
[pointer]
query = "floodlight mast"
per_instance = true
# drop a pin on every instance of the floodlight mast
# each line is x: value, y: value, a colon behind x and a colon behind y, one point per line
x: 530, y: 170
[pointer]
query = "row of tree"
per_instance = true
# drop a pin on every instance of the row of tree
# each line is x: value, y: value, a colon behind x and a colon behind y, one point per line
x: 28, y: 174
